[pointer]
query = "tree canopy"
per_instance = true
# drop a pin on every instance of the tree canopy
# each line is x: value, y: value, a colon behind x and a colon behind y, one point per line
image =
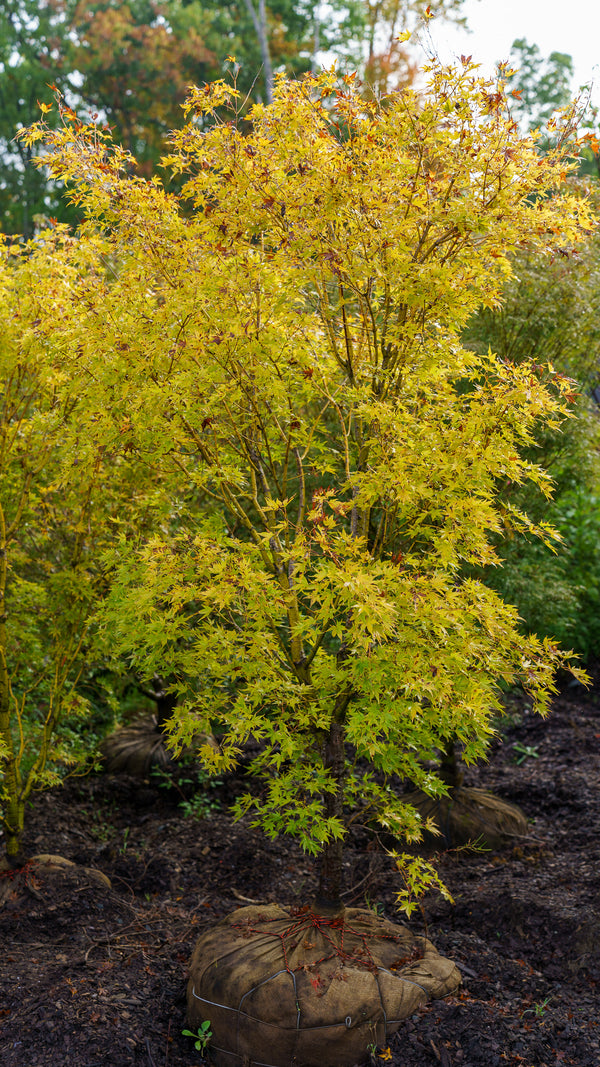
x: 130, y: 63
x: 279, y: 344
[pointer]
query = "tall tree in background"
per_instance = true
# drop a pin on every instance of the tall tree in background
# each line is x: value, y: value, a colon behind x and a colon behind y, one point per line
x: 364, y: 35
x: 539, y: 86
x: 136, y: 60
x: 130, y: 62
x: 32, y: 54
x: 281, y: 36
x: 387, y: 60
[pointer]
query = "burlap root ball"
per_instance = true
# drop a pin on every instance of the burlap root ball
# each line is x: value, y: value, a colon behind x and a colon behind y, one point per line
x: 45, y: 875
x: 137, y: 748
x: 471, y: 815
x: 284, y: 988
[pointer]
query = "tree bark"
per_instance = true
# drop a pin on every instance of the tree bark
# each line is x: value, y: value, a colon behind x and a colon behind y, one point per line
x: 316, y: 38
x: 165, y: 703
x: 328, y: 898
x: 13, y: 817
x: 450, y: 770
x: 259, y: 20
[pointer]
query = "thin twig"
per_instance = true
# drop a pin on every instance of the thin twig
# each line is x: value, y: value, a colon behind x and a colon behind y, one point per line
x: 150, y: 1060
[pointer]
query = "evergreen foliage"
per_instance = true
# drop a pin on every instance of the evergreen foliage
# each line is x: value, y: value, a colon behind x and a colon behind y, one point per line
x: 551, y: 313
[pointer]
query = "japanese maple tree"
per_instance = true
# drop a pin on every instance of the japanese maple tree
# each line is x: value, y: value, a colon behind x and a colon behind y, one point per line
x: 280, y: 342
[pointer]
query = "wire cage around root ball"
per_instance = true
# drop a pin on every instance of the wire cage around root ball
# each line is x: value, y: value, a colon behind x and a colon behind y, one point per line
x: 284, y: 987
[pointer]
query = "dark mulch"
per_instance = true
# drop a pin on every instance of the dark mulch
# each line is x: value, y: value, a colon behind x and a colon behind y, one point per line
x: 95, y: 977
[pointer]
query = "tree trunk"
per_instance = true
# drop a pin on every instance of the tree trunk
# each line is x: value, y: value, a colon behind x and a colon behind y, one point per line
x: 316, y: 38
x: 328, y: 898
x: 12, y: 820
x: 165, y: 703
x: 14, y: 805
x: 259, y: 20
x: 450, y: 769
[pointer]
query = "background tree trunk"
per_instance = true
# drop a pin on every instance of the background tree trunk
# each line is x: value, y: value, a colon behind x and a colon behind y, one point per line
x: 259, y: 19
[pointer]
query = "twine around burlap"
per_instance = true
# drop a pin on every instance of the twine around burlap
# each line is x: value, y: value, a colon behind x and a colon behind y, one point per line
x: 294, y: 988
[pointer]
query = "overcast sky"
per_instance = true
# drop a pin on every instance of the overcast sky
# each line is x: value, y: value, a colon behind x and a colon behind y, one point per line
x: 571, y: 26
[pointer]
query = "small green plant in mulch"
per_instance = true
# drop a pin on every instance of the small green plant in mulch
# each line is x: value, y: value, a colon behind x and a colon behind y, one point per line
x: 193, y: 785
x: 524, y: 752
x: 538, y: 1010
x: 202, y: 1037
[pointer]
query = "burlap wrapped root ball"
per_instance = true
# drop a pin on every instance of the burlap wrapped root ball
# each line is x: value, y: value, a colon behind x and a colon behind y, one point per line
x: 47, y: 877
x: 283, y: 988
x: 470, y: 815
x: 139, y: 747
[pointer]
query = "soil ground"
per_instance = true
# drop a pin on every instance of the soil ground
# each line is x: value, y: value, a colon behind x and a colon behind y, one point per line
x: 95, y: 977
